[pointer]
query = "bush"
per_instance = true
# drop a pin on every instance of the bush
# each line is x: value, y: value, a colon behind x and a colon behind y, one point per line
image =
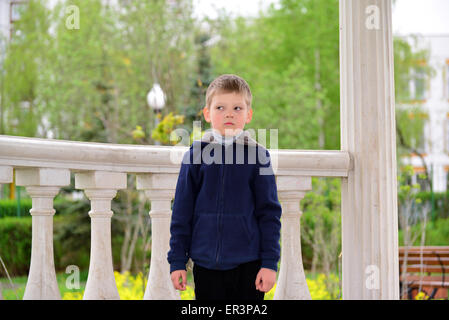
x: 437, y: 233
x: 15, y: 244
x: 71, y: 243
x: 441, y: 203
x: 8, y: 208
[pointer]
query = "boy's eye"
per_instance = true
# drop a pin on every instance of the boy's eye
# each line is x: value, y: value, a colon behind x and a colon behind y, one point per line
x: 236, y: 108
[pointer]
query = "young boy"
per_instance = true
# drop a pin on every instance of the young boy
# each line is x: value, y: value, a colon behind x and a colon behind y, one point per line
x: 226, y: 213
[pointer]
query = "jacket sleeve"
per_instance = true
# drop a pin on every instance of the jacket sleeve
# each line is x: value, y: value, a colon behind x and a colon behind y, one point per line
x: 268, y: 212
x: 182, y: 213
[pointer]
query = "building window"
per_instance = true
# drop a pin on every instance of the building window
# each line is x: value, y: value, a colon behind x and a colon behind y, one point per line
x: 446, y: 134
x: 418, y: 84
x: 447, y: 79
x: 16, y: 8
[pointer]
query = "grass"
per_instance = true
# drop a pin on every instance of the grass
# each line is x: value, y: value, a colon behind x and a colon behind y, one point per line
x: 19, y: 284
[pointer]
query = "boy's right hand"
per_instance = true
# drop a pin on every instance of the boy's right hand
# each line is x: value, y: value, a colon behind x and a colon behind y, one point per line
x: 175, y: 275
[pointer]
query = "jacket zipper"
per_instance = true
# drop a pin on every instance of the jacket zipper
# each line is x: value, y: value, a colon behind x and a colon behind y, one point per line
x: 220, y: 208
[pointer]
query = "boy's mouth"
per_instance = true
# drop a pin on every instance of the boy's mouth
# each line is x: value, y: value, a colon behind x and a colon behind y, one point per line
x: 228, y: 123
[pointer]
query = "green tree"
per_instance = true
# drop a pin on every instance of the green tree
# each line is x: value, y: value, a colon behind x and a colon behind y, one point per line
x: 290, y: 57
x: 90, y: 84
x: 21, y: 71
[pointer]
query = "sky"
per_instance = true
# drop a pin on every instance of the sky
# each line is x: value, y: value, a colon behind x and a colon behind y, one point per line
x: 243, y: 7
x: 409, y: 16
x: 421, y: 16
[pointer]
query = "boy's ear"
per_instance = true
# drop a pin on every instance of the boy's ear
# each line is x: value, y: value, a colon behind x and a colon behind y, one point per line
x: 206, y: 113
x: 250, y: 116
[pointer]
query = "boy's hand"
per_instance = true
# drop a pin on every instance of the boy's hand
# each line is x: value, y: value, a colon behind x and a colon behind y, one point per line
x: 175, y: 275
x: 265, y: 279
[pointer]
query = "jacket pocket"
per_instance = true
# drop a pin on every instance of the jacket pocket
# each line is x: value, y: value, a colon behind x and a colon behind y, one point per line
x: 248, y: 233
x: 237, y: 241
x: 204, y: 237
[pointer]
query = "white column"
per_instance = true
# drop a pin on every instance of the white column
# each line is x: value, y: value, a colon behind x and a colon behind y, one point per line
x: 100, y: 187
x: 42, y: 185
x: 291, y: 284
x: 368, y: 133
x: 160, y: 189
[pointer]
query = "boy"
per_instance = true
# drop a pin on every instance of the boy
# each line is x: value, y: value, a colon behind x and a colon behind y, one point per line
x: 226, y: 213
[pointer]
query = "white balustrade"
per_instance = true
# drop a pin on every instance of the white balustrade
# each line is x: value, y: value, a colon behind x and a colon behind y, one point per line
x: 160, y: 189
x: 100, y: 187
x: 101, y: 169
x: 291, y: 284
x: 42, y: 185
x: 6, y: 173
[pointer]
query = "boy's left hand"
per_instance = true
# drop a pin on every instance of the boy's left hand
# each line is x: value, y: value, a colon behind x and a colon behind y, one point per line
x: 265, y: 280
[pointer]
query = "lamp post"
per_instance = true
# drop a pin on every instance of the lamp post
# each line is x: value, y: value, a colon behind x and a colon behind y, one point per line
x: 156, y: 100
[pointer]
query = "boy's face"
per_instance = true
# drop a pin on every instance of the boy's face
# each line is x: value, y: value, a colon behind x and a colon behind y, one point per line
x: 228, y: 113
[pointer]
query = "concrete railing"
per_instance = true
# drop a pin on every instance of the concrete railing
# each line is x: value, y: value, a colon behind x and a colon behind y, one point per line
x: 43, y: 166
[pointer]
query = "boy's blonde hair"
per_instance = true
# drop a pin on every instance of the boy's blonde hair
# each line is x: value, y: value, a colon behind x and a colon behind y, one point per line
x: 227, y: 83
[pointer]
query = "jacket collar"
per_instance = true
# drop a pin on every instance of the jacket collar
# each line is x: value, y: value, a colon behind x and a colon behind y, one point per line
x: 244, y: 138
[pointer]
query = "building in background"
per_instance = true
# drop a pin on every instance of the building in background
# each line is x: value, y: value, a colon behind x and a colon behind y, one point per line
x: 433, y: 95
x: 9, y: 14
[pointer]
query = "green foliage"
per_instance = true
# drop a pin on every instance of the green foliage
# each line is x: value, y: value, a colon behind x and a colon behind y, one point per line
x: 163, y: 131
x: 8, y: 208
x: 411, y: 123
x: 437, y: 233
x: 321, y: 222
x: 22, y: 72
x: 292, y: 66
x: 15, y: 244
x: 408, y: 59
x: 441, y: 202
x: 91, y: 83
x: 406, y: 191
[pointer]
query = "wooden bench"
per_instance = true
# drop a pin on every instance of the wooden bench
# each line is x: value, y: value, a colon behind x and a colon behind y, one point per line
x: 427, y: 267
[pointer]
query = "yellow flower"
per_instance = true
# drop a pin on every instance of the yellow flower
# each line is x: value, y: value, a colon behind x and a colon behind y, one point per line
x: 421, y: 296
x: 72, y: 296
x: 126, y: 61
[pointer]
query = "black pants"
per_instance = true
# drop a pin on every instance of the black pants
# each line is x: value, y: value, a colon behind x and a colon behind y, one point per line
x: 238, y: 283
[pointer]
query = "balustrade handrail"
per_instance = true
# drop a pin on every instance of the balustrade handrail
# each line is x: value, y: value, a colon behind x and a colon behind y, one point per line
x: 75, y: 155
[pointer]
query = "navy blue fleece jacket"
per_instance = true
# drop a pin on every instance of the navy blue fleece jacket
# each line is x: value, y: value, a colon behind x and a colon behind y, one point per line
x: 226, y: 210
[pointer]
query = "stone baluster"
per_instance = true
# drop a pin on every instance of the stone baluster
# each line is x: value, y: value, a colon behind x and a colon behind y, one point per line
x: 5, y: 174
x: 291, y: 284
x: 5, y: 177
x: 100, y: 187
x: 42, y: 185
x: 160, y: 189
